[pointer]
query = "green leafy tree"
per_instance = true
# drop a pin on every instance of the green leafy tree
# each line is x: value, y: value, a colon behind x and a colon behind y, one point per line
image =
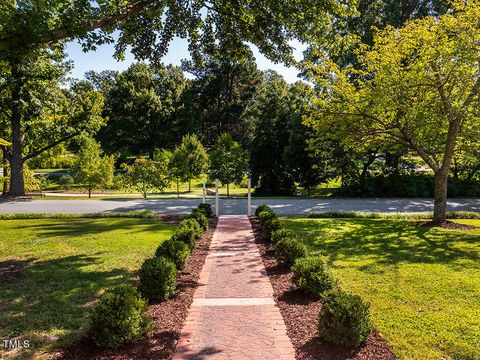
x: 31, y: 29
x: 39, y: 114
x: 420, y: 88
x: 147, y: 175
x: 141, y: 104
x: 188, y: 160
x: 270, y: 174
x: 92, y: 168
x: 228, y: 161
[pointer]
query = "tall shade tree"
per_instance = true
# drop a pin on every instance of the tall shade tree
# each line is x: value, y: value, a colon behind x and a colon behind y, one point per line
x: 147, y: 175
x: 420, y: 87
x: 92, y: 168
x: 189, y: 159
x: 220, y: 94
x: 228, y: 161
x: 140, y: 103
x: 38, y: 113
x: 30, y: 27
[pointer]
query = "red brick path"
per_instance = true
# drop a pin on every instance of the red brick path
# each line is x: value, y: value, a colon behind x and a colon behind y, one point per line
x: 233, y: 314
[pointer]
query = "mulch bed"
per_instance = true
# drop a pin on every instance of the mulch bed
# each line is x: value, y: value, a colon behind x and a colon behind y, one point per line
x: 446, y: 225
x: 300, y: 313
x: 168, y: 316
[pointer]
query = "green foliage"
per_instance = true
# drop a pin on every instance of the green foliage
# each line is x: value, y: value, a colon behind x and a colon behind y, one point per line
x: 199, y: 216
x: 66, y: 181
x: 206, y: 209
x: 288, y: 250
x: 188, y: 160
x: 261, y: 208
x: 269, y: 227
x: 142, y: 102
x: 119, y: 318
x: 344, y: 319
x: 93, y: 169
x: 188, y: 231
x: 228, y: 161
x: 158, y: 279
x: 147, y: 175
x: 280, y: 234
x: 265, y: 216
x: 313, y: 274
x: 177, y: 251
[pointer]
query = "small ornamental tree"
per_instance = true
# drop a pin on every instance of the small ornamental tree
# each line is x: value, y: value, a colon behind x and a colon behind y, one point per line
x: 228, y: 161
x: 91, y: 168
x: 188, y: 160
x: 147, y: 175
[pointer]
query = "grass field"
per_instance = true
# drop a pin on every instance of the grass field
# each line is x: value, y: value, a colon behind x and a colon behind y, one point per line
x: 423, y: 284
x: 62, y: 266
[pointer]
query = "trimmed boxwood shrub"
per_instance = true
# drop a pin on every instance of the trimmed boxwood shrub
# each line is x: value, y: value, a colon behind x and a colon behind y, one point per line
x: 194, y: 225
x: 313, y: 274
x: 119, y: 317
x: 265, y: 216
x: 280, y: 234
x: 344, y: 319
x: 158, y: 279
x: 199, y: 216
x: 177, y: 251
x: 288, y: 250
x: 206, y: 209
x: 269, y: 227
x: 261, y: 208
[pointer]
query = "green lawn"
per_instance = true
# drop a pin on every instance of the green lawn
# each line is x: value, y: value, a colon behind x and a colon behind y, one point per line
x: 69, y: 262
x: 423, y: 284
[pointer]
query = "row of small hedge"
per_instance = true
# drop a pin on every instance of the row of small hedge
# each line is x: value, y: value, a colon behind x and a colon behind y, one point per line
x: 119, y: 316
x: 344, y: 318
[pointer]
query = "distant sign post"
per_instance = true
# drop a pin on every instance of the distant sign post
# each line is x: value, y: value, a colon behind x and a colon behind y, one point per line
x: 217, y: 202
x: 204, y: 193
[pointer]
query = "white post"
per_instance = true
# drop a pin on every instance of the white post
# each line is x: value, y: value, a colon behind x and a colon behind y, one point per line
x: 217, y: 203
x: 249, y: 202
x: 204, y: 193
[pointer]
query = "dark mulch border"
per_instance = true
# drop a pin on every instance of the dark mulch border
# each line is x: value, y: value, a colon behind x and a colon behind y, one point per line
x: 300, y: 313
x: 168, y: 317
x: 446, y: 225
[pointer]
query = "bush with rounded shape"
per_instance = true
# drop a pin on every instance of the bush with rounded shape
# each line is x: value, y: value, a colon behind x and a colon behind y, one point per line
x: 312, y: 274
x: 194, y: 225
x: 206, y: 209
x: 280, y: 234
x: 186, y: 235
x: 265, y: 216
x: 263, y: 207
x: 177, y: 251
x: 199, y: 216
x: 269, y: 227
x: 344, y: 319
x: 288, y: 250
x: 158, y: 278
x: 119, y: 317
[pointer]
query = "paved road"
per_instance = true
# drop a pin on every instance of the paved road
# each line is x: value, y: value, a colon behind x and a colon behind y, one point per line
x: 232, y: 206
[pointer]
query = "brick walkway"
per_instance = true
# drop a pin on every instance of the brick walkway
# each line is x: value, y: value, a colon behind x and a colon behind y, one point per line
x: 233, y: 314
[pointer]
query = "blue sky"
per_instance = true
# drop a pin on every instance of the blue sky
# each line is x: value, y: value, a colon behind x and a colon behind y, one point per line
x: 102, y: 59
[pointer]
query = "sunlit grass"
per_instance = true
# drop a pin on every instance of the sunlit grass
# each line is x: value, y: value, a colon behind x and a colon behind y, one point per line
x: 423, y: 284
x: 68, y: 263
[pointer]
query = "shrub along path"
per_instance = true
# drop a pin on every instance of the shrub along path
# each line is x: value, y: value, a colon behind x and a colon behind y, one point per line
x: 233, y: 315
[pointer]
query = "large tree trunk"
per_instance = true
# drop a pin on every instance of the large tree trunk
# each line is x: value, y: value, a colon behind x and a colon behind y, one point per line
x: 440, y: 197
x: 17, y: 183
x: 5, y: 176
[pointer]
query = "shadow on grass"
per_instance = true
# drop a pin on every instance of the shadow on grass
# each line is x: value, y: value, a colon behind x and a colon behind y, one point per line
x: 88, y: 226
x: 53, y: 297
x: 388, y: 242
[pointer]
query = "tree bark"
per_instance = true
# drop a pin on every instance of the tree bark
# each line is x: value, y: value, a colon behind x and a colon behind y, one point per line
x: 17, y: 182
x: 440, y: 197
